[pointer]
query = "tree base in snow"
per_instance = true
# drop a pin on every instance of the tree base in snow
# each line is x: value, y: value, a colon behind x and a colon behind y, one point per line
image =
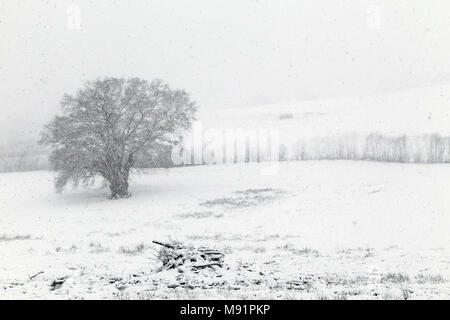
x: 119, y: 196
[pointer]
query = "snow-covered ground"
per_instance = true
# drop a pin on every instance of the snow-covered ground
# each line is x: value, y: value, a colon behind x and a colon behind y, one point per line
x: 314, y: 229
x: 411, y: 112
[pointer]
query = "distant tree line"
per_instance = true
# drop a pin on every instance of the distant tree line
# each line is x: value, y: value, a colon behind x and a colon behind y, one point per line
x: 426, y: 148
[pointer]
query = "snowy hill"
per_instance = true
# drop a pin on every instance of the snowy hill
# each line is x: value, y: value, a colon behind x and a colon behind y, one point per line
x: 417, y: 111
x: 406, y: 126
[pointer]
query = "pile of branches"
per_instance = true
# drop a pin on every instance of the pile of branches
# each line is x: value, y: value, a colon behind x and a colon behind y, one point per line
x: 176, y: 255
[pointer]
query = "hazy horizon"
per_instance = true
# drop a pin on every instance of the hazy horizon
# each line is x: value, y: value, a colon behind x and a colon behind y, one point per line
x: 225, y: 53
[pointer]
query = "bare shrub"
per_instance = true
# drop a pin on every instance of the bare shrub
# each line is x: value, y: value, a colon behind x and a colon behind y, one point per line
x: 132, y: 250
x: 395, y: 277
x: 429, y: 278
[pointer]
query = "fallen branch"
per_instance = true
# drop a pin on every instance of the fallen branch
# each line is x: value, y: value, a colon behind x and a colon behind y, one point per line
x: 175, y: 255
x: 164, y: 244
x: 35, y: 275
x: 206, y: 265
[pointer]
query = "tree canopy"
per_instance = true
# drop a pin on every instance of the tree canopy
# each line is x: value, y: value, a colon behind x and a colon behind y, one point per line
x: 111, y: 123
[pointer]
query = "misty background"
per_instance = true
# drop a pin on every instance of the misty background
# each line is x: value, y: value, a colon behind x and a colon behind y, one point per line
x: 225, y: 53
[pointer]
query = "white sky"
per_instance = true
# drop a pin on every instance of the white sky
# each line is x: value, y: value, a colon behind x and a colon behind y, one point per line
x: 225, y: 53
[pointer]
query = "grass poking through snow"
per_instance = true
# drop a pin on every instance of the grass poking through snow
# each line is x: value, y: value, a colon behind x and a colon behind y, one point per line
x: 7, y: 238
x: 133, y: 250
x: 395, y: 278
x: 245, y: 198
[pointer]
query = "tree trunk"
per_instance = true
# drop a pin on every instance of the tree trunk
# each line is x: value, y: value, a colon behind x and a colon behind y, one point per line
x: 118, y: 184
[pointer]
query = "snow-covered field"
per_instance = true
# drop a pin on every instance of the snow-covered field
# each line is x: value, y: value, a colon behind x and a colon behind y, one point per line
x: 314, y: 229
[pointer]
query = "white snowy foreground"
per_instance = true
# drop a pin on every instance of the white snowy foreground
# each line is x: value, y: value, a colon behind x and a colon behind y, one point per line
x: 320, y: 230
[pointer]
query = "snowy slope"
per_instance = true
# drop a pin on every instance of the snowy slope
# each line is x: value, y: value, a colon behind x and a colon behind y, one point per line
x: 417, y: 111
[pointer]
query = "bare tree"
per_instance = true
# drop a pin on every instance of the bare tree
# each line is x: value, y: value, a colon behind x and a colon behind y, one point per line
x: 110, y: 124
